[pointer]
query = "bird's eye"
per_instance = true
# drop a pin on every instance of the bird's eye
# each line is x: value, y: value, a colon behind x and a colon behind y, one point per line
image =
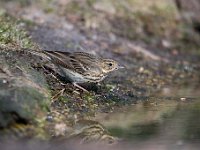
x: 110, y: 64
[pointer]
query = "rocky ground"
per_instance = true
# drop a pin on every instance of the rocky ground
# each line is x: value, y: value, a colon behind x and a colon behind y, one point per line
x: 153, y: 102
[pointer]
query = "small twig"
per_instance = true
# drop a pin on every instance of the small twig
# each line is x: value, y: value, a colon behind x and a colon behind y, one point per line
x: 60, y: 93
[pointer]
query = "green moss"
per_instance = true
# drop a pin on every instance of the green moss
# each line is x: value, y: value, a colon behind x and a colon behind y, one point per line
x: 32, y: 102
x: 12, y: 34
x: 64, y: 99
x: 89, y: 97
x: 25, y: 103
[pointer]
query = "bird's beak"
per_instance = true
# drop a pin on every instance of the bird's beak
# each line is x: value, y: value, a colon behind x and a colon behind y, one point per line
x: 121, y: 67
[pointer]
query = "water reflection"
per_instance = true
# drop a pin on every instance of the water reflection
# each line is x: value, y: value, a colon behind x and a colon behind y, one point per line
x: 163, y: 120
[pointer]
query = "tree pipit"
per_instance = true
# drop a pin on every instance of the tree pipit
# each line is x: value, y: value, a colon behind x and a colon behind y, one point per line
x: 80, y: 67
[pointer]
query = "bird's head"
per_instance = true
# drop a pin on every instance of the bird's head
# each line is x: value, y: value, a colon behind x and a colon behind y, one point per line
x: 109, y: 65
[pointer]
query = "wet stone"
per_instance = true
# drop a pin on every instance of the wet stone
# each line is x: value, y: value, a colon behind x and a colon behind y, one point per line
x: 24, y: 97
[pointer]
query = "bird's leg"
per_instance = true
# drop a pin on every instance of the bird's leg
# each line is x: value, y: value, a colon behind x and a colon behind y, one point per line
x: 61, y: 91
x: 52, y: 75
x: 80, y: 87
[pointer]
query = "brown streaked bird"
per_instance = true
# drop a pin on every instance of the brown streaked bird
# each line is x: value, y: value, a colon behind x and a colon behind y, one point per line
x: 80, y: 67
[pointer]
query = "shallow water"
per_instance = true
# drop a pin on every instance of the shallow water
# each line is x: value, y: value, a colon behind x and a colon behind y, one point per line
x: 168, y: 121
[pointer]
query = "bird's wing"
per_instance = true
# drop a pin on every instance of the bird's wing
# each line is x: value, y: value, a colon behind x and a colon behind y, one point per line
x: 79, y: 62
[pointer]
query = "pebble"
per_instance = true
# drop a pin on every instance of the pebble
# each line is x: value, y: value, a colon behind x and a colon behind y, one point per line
x: 183, y: 99
x: 141, y: 69
x: 5, y: 81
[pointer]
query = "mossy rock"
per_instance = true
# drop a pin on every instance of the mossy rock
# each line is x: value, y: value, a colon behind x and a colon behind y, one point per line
x: 24, y: 95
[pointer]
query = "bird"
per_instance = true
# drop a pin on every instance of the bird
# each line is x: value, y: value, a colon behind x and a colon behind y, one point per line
x: 80, y: 67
